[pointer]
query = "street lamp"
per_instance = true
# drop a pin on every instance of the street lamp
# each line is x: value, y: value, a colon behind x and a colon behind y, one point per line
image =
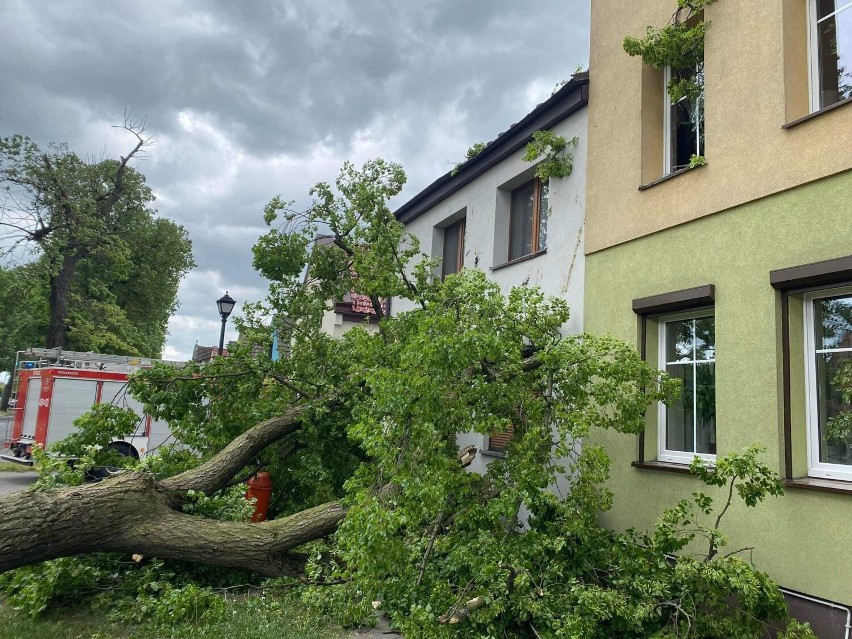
x: 225, y: 305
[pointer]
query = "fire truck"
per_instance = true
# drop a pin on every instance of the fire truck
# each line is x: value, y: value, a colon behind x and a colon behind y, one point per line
x: 51, y: 388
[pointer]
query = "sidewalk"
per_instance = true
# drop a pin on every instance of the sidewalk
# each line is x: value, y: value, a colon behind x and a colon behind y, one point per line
x: 381, y: 631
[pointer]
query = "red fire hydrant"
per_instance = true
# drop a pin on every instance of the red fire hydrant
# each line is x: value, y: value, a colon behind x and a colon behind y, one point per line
x: 260, y: 487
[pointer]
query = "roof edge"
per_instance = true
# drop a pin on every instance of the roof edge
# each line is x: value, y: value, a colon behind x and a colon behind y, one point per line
x: 567, y: 100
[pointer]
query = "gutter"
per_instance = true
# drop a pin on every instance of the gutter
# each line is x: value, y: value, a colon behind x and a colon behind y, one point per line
x: 563, y: 103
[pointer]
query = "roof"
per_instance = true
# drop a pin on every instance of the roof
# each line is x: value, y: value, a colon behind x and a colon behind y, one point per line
x: 567, y: 100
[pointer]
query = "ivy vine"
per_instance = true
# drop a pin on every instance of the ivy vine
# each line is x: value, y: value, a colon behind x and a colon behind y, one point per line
x: 558, y: 161
x: 679, y: 45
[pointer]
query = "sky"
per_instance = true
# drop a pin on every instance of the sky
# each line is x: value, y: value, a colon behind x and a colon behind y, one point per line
x: 253, y: 99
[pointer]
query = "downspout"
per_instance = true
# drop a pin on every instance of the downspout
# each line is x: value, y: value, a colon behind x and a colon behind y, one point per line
x: 822, y: 602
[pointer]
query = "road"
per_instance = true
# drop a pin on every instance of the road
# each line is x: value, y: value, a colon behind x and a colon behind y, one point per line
x: 13, y: 482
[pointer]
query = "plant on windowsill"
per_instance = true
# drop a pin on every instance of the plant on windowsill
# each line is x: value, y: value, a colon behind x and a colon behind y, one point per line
x: 558, y: 161
x: 679, y: 45
x: 696, y: 160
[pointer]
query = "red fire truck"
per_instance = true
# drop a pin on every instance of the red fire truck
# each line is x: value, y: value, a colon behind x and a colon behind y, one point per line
x: 52, y: 388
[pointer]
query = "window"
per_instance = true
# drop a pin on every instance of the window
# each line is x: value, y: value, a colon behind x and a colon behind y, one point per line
x: 688, y: 352
x: 831, y: 52
x: 528, y: 219
x: 828, y: 352
x: 452, y: 256
x: 684, y: 121
x: 499, y: 442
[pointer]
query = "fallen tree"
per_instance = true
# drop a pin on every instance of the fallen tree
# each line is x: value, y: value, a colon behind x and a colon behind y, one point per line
x: 136, y: 513
x: 360, y: 435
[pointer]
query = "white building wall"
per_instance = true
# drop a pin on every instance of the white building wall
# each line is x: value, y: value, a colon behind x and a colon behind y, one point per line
x: 485, y: 204
x: 335, y: 325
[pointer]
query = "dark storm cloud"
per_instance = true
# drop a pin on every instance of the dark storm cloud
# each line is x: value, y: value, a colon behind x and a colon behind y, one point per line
x: 251, y: 99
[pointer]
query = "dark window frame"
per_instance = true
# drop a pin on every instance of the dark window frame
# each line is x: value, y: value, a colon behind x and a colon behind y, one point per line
x: 461, y: 225
x: 790, y: 281
x: 535, y: 231
x: 658, y: 305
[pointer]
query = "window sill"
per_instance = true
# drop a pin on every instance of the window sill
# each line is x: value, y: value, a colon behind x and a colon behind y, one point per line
x: 816, y: 114
x: 493, y: 453
x: 824, y: 485
x: 666, y: 178
x: 517, y: 260
x: 667, y: 467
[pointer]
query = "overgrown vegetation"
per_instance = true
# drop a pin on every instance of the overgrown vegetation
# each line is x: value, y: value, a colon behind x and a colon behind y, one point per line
x: 679, y: 45
x: 471, y: 153
x: 445, y: 552
x: 558, y: 161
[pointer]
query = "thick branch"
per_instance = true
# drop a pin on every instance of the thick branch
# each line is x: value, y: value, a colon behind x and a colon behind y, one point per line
x: 132, y: 514
x: 221, y: 468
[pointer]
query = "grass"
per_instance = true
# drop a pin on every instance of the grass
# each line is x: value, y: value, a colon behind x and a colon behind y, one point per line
x: 249, y: 619
x: 11, y: 467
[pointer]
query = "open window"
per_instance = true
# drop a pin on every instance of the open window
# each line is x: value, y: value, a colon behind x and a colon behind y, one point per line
x: 683, y: 127
x: 830, y: 52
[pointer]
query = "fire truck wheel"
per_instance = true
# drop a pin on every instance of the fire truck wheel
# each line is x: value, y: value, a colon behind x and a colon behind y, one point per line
x: 125, y: 449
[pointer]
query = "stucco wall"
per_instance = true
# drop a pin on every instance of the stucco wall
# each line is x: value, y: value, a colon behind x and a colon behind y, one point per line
x: 802, y: 539
x: 755, y: 76
x: 559, y: 272
x: 335, y: 325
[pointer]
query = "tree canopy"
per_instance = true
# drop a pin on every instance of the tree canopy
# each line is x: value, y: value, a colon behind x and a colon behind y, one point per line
x: 105, y: 268
x: 374, y: 506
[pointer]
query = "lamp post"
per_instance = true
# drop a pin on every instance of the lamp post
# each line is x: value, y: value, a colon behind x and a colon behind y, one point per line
x: 225, y: 305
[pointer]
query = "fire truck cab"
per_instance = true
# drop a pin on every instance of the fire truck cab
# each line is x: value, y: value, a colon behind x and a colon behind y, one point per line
x: 52, y: 388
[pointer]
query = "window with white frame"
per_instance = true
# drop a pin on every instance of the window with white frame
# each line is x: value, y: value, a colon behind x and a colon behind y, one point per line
x: 830, y: 52
x: 687, y: 351
x: 828, y: 356
x: 684, y: 121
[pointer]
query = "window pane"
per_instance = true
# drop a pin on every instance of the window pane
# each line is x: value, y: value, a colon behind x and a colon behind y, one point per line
x: 453, y: 249
x: 833, y: 319
x: 834, y: 52
x: 834, y: 384
x: 705, y: 408
x: 542, y: 215
x: 679, y: 416
x: 520, y: 221
x: 679, y: 341
x: 687, y: 121
x: 705, y: 338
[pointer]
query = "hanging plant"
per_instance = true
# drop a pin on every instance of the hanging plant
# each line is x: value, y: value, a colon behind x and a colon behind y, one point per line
x: 558, y: 161
x: 679, y: 45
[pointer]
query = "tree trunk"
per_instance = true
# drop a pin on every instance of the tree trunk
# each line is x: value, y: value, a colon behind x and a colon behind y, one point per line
x: 134, y: 513
x: 7, y: 393
x: 60, y: 290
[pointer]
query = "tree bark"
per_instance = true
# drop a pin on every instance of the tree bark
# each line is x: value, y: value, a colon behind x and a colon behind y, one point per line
x: 134, y: 513
x: 7, y: 393
x: 60, y: 290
